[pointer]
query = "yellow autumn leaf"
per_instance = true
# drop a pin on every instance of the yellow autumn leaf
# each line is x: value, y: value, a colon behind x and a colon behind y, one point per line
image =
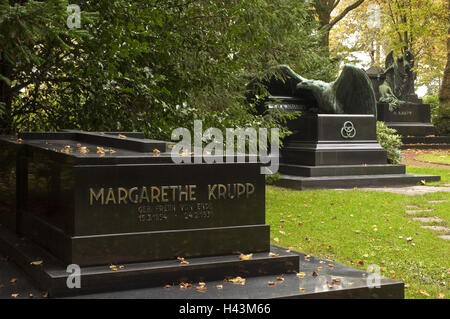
x: 237, y: 280
x: 245, y: 257
x: 36, y: 263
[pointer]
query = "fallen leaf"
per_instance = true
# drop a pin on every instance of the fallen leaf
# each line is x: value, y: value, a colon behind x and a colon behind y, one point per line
x: 237, y: 280
x: 245, y: 257
x: 441, y: 295
x: 330, y: 265
x: 167, y: 286
x: 121, y: 136
x: 219, y: 286
x: 45, y: 294
x: 301, y: 275
x: 36, y: 263
x: 321, y: 262
x: 13, y: 280
x: 301, y: 289
x: 336, y: 281
x: 276, y: 239
x: 423, y: 292
x: 184, y: 285
x: 314, y: 273
x: 271, y: 283
x: 200, y: 288
x: 14, y: 295
x: 156, y: 152
x: 83, y: 150
x: 273, y: 254
x: 357, y: 231
x: 280, y: 278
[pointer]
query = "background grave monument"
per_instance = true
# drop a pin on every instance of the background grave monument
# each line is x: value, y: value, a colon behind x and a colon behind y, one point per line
x: 397, y: 103
x: 333, y: 143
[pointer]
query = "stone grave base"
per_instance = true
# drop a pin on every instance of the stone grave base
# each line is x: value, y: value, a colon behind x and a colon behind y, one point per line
x: 352, y: 181
x: 148, y: 280
x: 426, y: 142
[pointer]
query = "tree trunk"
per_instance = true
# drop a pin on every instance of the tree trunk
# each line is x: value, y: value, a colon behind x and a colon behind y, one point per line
x: 6, y: 125
x: 444, y: 92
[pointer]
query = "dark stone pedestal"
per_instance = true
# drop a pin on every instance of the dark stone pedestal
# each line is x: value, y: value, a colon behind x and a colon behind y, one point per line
x: 131, y: 205
x: 411, y: 119
x: 338, y: 151
x: 147, y: 280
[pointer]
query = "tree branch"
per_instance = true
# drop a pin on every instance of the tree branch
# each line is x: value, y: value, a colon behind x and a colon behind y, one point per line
x: 345, y: 11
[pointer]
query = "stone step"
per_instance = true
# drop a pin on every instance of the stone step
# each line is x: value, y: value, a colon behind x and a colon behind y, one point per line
x: 415, y: 211
x: 340, y: 170
x: 437, y: 228
x: 352, y: 181
x: 51, y: 276
x: 428, y: 219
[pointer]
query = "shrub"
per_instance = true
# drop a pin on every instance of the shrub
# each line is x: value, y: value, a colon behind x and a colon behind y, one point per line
x: 390, y: 141
x: 272, y: 178
x: 440, y: 115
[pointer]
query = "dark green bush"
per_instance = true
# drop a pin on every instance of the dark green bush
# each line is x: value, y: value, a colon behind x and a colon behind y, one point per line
x: 390, y: 141
x: 440, y: 116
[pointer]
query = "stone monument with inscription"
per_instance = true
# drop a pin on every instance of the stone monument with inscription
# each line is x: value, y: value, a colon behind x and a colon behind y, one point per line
x: 333, y: 141
x: 114, y: 213
x: 397, y: 103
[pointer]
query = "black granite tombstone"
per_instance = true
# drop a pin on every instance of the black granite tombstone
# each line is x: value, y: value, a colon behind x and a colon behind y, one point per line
x: 102, y: 198
x: 332, y: 150
x: 135, y: 221
x: 410, y: 118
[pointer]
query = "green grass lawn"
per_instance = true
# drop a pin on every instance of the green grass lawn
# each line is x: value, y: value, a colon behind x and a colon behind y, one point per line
x: 444, y: 173
x: 435, y: 158
x: 359, y: 228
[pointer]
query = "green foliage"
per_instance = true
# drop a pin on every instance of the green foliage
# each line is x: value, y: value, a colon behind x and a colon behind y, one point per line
x: 156, y: 65
x: 272, y: 178
x: 390, y: 141
x: 441, y: 121
x: 440, y: 116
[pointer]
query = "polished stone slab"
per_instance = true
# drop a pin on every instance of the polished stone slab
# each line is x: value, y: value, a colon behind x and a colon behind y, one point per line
x: 340, y: 170
x: 426, y: 142
x: 95, y: 198
x: 351, y: 181
x: 51, y: 275
x: 353, y: 282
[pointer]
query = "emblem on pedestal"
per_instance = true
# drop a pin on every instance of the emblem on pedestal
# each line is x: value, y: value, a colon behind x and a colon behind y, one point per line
x: 348, y: 130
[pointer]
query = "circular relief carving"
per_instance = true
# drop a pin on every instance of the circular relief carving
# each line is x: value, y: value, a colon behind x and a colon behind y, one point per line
x: 348, y: 130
